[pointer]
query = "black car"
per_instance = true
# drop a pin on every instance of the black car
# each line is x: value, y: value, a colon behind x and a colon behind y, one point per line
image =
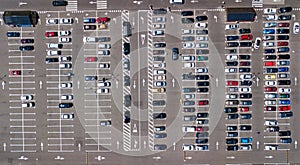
x: 201, y: 32
x: 243, y: 70
x: 245, y: 44
x: 159, y: 115
x: 189, y: 109
x: 230, y: 109
x: 127, y: 117
x: 201, y: 141
x: 126, y: 48
x: 202, y: 115
x: 159, y: 102
x: 232, y: 116
x: 158, y: 58
x: 285, y: 114
x: 231, y: 141
x: 232, y: 44
x: 187, y: 13
x: 13, y: 34
x: 126, y: 80
x: 160, y: 45
x: 160, y: 11
x: 283, y: 31
x: 60, y: 3
x: 270, y: 70
x: 202, y: 77
x: 283, y: 37
x: 231, y: 128
x: 160, y: 135
x: 285, y: 140
x: 243, y: 31
x: 187, y: 20
x: 27, y: 48
x: 202, y: 18
x: 201, y: 134
x: 246, y: 102
x: 246, y: 95
x: 27, y: 41
x: 203, y: 83
x: 232, y: 51
x: 65, y: 105
x: 244, y: 57
x: 284, y: 56
x: 284, y: 17
x: 232, y: 38
x: 186, y: 76
x: 266, y: 51
x: 270, y: 57
x: 232, y: 147
x: 175, y: 53
x: 202, y: 51
x: 283, y: 49
x: 246, y: 116
x: 202, y: 90
x: 232, y: 134
x: 284, y: 82
x: 284, y: 133
x: 233, y: 63
x: 245, y: 127
x: 160, y: 147
x: 127, y: 100
x: 285, y: 9
x: 49, y: 60
x: 188, y: 38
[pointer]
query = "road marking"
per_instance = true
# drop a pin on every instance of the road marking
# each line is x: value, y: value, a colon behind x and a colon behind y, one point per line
x: 42, y: 146
x: 217, y: 82
x: 4, y: 146
x: 134, y: 85
x: 257, y: 145
x: 144, y: 82
x: 296, y: 144
x: 230, y: 157
x: 3, y: 85
x: 174, y: 146
x: 173, y: 82
x: 296, y: 81
x: 143, y: 36
x: 257, y: 80
x: 217, y: 145
x: 118, y: 145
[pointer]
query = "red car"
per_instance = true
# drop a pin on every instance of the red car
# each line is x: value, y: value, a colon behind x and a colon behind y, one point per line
x: 245, y: 63
x: 270, y: 63
x: 203, y: 102
x: 201, y: 129
x: 102, y: 19
x: 51, y: 34
x: 246, y: 37
x: 15, y: 72
x: 282, y: 44
x: 283, y: 24
x: 243, y: 109
x: 232, y: 83
x: 284, y: 108
x: 270, y: 89
x: 90, y: 59
x: 269, y: 108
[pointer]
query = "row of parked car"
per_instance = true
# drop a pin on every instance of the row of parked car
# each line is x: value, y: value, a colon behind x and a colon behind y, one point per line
x: 239, y: 93
x: 276, y: 71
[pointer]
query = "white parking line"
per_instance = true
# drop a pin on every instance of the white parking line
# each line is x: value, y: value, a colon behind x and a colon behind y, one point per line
x: 57, y: 126
x: 20, y: 126
x: 61, y: 132
x: 18, y: 82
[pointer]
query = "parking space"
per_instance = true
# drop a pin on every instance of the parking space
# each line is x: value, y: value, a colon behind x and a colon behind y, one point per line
x: 22, y: 102
x: 239, y: 80
x: 277, y: 79
x: 195, y: 80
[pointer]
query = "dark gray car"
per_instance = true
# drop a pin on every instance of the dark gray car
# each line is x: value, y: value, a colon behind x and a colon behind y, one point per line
x: 159, y: 102
x: 127, y: 100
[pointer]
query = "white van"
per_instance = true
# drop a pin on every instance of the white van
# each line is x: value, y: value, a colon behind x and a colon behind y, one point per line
x: 179, y: 2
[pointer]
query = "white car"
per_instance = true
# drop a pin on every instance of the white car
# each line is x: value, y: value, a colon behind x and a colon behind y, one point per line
x: 188, y: 45
x: 270, y: 95
x: 28, y: 105
x: 26, y: 97
x: 257, y: 42
x: 65, y: 59
x: 246, y: 76
x: 188, y: 129
x: 189, y: 96
x: 53, y: 52
x: 201, y: 25
x: 272, y: 17
x: 159, y: 26
x: 159, y: 19
x: 64, y: 40
x: 65, y: 66
x: 188, y: 147
x: 187, y: 31
x: 104, y: 65
x: 284, y: 90
x: 271, y: 122
x: 201, y: 70
x: 104, y: 46
x: 159, y: 77
x: 66, y: 97
x: 54, y: 45
x: 231, y: 27
x: 65, y: 85
x: 66, y: 21
x: 189, y: 65
x: 156, y: 72
x: 202, y: 45
x: 271, y: 147
x: 269, y: 44
x: 246, y: 147
x: 270, y: 24
x: 230, y: 70
x: 270, y: 83
x: 103, y: 90
x: 104, y: 84
x: 270, y: 11
x: 231, y: 57
x: 270, y: 102
x: 231, y: 96
x: 158, y: 32
x: 244, y: 90
x: 160, y: 83
x: 67, y: 116
x: 64, y: 33
x: 52, y: 21
x: 202, y: 38
x: 296, y: 28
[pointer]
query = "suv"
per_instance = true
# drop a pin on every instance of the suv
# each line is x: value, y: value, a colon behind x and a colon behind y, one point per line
x: 126, y: 48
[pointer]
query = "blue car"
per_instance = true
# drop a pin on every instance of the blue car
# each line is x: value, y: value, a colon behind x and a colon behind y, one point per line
x: 89, y: 20
x: 269, y: 51
x: 246, y: 140
x: 13, y: 34
x: 284, y: 102
x: 283, y: 69
x: 268, y: 31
